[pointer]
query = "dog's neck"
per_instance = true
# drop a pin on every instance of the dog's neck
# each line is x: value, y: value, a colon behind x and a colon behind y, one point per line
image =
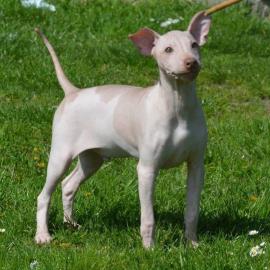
x: 180, y: 97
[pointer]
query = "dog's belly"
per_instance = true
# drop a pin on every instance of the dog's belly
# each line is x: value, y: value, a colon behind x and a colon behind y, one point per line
x: 115, y: 152
x: 107, y: 145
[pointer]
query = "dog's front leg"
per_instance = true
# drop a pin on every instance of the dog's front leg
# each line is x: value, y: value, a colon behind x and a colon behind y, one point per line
x: 194, y: 186
x: 146, y: 177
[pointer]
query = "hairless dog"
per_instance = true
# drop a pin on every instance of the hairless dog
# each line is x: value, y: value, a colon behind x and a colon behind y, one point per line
x: 162, y: 126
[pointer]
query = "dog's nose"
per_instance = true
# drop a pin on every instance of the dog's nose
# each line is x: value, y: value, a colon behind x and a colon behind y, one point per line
x: 190, y: 63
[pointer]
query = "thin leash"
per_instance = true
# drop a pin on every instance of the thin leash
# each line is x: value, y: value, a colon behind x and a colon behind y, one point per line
x: 221, y: 6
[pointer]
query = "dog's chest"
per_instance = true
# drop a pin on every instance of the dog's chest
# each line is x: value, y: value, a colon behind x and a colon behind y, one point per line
x: 183, y: 139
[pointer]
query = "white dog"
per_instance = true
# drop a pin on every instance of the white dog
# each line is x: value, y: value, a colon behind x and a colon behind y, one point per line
x: 162, y: 125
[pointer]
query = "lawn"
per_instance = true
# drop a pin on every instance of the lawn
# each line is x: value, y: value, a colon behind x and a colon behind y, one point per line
x: 91, y: 40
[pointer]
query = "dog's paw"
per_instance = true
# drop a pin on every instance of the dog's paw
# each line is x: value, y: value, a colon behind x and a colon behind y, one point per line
x: 148, y: 243
x: 72, y: 224
x: 43, y: 238
x: 192, y: 243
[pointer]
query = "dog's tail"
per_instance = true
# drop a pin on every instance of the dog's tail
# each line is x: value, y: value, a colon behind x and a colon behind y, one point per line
x: 67, y: 86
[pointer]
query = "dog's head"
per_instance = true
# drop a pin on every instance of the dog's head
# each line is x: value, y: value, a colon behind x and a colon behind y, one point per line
x: 176, y: 52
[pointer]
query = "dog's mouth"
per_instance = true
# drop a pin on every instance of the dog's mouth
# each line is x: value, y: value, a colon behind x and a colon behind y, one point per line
x: 184, y: 76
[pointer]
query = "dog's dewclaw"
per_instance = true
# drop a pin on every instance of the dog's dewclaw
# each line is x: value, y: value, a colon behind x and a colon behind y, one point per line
x: 221, y: 6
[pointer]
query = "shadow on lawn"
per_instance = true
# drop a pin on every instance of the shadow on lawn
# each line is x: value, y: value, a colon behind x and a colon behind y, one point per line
x: 232, y: 226
x: 228, y: 224
x: 225, y: 223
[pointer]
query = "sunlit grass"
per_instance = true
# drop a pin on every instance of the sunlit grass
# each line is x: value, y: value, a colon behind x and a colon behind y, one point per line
x: 91, y: 40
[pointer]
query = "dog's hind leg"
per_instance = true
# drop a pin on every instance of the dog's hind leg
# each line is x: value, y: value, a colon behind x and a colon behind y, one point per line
x: 88, y: 163
x: 58, y: 164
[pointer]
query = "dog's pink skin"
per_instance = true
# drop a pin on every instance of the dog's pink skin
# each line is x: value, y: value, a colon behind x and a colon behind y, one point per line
x: 162, y: 126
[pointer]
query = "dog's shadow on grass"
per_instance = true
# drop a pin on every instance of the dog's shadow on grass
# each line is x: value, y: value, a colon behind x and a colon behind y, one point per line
x: 115, y: 218
x: 233, y: 226
x: 225, y: 224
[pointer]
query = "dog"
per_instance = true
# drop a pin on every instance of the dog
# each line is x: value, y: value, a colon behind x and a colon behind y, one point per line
x: 162, y: 126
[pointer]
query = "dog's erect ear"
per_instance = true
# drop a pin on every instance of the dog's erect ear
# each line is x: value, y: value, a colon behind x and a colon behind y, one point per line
x: 144, y: 40
x: 199, y: 27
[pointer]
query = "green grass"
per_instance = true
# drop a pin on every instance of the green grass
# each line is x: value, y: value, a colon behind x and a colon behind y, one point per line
x: 91, y: 40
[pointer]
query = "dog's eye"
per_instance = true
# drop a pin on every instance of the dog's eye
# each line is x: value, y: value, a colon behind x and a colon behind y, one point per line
x: 169, y: 50
x: 194, y: 45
